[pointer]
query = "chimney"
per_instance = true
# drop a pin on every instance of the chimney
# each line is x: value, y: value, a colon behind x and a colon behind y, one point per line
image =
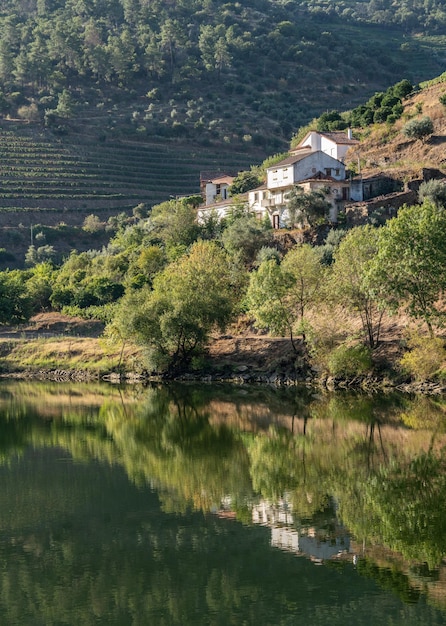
x: 349, y: 133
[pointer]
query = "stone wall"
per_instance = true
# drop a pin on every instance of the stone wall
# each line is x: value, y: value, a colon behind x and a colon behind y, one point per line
x: 358, y: 213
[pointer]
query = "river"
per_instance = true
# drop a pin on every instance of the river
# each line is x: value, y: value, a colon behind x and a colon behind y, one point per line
x: 220, y: 505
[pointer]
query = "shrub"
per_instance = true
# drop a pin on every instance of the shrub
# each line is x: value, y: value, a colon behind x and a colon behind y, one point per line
x: 418, y: 129
x: 266, y: 253
x: 350, y: 360
x: 92, y: 224
x: 434, y: 191
x: 424, y: 357
x: 29, y: 113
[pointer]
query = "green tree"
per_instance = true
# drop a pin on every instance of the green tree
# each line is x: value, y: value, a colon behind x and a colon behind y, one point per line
x: 39, y: 255
x: 6, y: 61
x: 267, y: 299
x: 402, y: 89
x: 352, y: 283
x: 303, y: 264
x: 172, y: 40
x: 279, y: 295
x: 15, y: 303
x: 92, y: 224
x: 243, y: 182
x: 244, y: 237
x: 174, y: 222
x: 410, y: 262
x: 39, y: 286
x: 65, y: 105
x: 307, y: 209
x: 190, y: 297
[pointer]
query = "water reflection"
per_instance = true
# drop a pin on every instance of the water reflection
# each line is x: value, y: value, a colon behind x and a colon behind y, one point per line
x: 351, y: 482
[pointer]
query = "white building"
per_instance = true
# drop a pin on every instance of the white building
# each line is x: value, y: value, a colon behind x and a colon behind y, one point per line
x: 316, y: 163
x: 310, y: 169
x: 334, y: 143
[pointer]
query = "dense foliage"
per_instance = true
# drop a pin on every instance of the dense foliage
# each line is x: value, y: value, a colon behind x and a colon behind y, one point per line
x: 259, y: 60
x: 167, y: 282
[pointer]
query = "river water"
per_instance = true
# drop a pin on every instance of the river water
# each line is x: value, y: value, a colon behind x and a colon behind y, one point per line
x: 218, y: 505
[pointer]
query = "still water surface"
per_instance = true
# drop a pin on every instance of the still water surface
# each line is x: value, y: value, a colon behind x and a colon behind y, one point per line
x: 220, y: 506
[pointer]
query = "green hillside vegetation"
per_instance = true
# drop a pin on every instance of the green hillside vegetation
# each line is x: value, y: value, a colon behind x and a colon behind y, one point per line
x: 111, y: 105
x: 120, y: 111
x: 208, y: 70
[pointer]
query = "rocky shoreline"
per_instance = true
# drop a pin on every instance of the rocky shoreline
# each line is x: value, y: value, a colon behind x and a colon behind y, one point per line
x: 365, y: 384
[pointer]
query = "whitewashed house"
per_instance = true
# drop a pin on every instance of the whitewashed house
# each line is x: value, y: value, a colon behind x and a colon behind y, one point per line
x: 334, y: 143
x: 316, y: 163
x: 214, y: 187
x: 310, y: 169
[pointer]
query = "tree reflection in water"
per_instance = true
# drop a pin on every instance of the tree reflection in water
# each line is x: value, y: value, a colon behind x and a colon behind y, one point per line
x: 373, y: 464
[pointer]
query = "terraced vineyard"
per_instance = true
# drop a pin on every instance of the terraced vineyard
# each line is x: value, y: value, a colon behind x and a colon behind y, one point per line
x: 72, y: 174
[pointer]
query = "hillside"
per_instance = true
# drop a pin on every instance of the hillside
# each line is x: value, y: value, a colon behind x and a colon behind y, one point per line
x: 208, y: 71
x: 105, y: 106
x: 78, y: 171
x: 385, y: 148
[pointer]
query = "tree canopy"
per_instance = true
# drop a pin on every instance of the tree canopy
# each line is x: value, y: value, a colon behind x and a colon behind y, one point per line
x: 190, y: 297
x: 410, y: 262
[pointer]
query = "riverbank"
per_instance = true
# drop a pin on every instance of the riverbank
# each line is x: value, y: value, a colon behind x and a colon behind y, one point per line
x: 62, y: 348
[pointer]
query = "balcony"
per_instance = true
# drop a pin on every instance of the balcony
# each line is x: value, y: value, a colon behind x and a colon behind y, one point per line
x: 267, y: 203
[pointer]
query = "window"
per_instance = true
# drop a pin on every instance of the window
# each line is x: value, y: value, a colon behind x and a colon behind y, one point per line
x: 337, y: 171
x: 328, y: 171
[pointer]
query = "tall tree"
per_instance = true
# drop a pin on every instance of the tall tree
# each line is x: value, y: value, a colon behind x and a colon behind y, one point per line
x: 307, y: 209
x: 411, y: 262
x: 353, y: 284
x: 189, y: 298
x: 279, y: 295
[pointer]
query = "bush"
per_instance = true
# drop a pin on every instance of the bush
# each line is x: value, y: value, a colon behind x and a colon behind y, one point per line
x: 350, y: 360
x: 424, y: 357
x: 266, y: 253
x: 29, y: 113
x: 418, y: 129
x: 434, y: 191
x: 92, y: 224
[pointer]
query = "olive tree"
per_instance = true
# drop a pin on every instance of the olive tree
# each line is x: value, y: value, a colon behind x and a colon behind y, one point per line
x: 418, y: 128
x: 433, y: 190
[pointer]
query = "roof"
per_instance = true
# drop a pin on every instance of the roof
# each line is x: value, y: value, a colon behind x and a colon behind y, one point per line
x: 320, y: 177
x: 243, y: 197
x: 338, y: 136
x: 211, y: 175
x: 294, y: 158
x: 222, y: 179
x: 261, y: 188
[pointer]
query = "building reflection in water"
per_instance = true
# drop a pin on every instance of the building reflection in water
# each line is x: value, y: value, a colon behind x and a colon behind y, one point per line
x: 319, y: 543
